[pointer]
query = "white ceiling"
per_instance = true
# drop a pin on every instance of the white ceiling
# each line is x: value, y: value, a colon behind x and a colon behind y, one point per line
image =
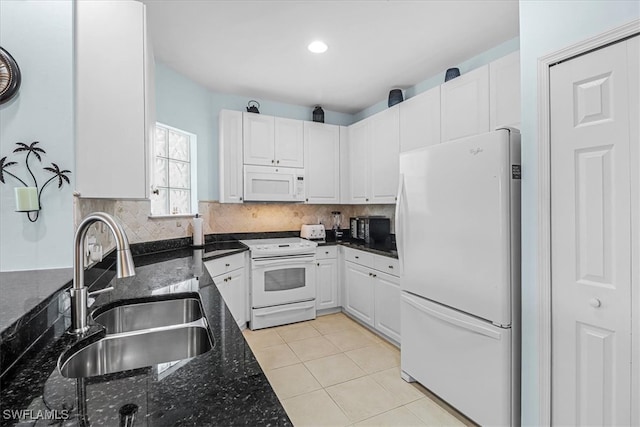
x: 258, y: 49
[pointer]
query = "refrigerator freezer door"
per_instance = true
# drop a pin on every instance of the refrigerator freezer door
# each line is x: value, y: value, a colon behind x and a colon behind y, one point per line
x: 454, y: 224
x: 464, y: 360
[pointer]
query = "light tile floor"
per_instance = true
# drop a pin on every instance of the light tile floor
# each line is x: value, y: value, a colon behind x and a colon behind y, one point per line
x: 331, y: 371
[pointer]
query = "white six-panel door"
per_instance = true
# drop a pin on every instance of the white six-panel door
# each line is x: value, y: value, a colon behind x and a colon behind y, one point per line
x: 591, y: 221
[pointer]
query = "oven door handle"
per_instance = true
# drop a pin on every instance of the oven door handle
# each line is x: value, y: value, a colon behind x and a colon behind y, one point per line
x: 288, y: 261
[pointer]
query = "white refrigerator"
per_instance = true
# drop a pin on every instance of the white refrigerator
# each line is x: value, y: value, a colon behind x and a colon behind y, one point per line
x: 458, y: 238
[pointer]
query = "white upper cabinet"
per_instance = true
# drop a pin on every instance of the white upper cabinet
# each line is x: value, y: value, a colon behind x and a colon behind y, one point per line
x: 345, y: 191
x: 420, y: 120
x: 273, y: 141
x: 115, y: 107
x: 230, y: 156
x: 359, y: 154
x: 259, y: 139
x: 373, y: 158
x: 322, y: 163
x: 289, y: 143
x: 504, y: 75
x: 385, y: 156
x: 465, y: 105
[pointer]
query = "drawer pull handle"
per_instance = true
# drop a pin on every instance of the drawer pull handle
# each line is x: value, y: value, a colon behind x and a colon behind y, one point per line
x: 227, y: 265
x: 357, y: 257
x: 391, y: 266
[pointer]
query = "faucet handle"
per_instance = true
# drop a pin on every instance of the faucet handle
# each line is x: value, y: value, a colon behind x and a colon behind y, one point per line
x: 101, y: 291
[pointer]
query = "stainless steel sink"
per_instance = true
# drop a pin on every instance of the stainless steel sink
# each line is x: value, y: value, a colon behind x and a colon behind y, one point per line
x: 131, y: 350
x: 138, y: 316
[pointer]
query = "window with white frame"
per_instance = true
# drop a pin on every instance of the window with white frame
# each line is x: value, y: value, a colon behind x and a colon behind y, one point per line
x: 174, y: 190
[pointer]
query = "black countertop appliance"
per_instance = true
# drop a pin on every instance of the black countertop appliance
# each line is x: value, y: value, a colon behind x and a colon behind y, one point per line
x: 370, y: 229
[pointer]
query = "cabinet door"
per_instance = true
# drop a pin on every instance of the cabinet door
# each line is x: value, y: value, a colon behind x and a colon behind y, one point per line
x: 327, y: 284
x: 230, y: 156
x: 345, y: 167
x: 111, y: 113
x: 289, y: 143
x: 258, y: 139
x: 359, y: 293
x: 420, y: 120
x: 465, y: 105
x: 322, y: 162
x: 504, y: 87
x: 385, y: 156
x: 387, y: 302
x: 232, y: 287
x: 359, y: 152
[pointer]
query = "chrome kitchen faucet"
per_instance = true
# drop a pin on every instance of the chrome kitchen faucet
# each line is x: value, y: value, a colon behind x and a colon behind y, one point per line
x: 124, y: 266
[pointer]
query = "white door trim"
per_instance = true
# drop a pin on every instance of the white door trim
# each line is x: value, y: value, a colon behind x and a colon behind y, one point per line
x: 544, y: 201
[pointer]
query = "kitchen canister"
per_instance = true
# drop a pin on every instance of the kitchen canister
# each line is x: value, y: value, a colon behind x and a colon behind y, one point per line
x: 395, y: 97
x: 451, y: 73
x: 318, y: 114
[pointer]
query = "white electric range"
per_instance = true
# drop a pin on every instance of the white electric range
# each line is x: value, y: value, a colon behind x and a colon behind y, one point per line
x: 283, y: 288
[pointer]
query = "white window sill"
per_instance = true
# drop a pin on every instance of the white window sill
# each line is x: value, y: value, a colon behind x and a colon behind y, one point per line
x: 186, y: 215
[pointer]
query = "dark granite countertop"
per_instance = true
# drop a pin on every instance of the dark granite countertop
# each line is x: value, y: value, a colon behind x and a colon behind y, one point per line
x: 224, y: 386
x: 387, y: 249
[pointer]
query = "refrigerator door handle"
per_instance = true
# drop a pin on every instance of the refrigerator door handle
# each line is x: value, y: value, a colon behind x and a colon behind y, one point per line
x: 478, y: 329
x: 400, y: 222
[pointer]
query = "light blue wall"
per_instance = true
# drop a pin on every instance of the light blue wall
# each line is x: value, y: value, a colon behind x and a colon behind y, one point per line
x: 186, y: 105
x: 466, y: 66
x: 39, y: 35
x: 546, y: 27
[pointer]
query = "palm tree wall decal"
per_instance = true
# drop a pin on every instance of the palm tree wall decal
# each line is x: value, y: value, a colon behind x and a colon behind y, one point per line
x: 33, y: 149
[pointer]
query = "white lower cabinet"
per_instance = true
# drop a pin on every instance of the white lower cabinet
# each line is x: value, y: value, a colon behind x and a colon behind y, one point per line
x: 327, y: 294
x: 359, y: 293
x: 232, y: 286
x: 387, y: 310
x: 370, y: 293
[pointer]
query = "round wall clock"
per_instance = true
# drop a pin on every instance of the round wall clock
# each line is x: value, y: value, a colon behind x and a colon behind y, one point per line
x: 9, y: 76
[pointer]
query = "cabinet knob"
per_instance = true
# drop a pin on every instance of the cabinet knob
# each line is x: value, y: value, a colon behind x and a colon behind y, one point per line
x: 277, y: 162
x: 370, y: 274
x: 374, y: 275
x: 366, y: 200
x: 273, y: 161
x: 156, y: 191
x: 318, y: 264
x: 240, y: 198
x: 229, y: 278
x: 326, y: 252
x: 306, y: 200
x: 595, y: 302
x: 391, y: 267
x: 357, y: 257
x: 227, y: 265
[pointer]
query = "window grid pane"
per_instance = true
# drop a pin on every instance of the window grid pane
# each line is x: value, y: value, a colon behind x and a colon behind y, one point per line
x: 172, y: 173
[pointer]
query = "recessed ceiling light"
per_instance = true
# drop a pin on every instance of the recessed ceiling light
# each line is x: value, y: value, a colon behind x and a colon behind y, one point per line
x: 318, y: 46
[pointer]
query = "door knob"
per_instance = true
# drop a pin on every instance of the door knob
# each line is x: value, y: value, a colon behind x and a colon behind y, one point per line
x: 595, y: 302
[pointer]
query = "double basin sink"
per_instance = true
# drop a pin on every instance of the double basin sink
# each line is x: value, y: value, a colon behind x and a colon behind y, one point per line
x: 141, y: 334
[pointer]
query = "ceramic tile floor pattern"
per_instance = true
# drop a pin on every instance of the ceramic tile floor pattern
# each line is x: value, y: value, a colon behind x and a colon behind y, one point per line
x: 331, y: 371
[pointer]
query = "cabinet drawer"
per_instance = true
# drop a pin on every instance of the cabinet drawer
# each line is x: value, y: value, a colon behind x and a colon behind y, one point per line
x: 358, y: 257
x: 224, y: 265
x: 387, y: 264
x: 325, y: 252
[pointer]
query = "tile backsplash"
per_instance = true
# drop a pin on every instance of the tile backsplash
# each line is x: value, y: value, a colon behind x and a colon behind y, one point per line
x: 218, y: 218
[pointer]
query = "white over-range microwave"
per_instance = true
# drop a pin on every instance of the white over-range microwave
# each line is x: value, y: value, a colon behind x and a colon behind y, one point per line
x: 273, y: 184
